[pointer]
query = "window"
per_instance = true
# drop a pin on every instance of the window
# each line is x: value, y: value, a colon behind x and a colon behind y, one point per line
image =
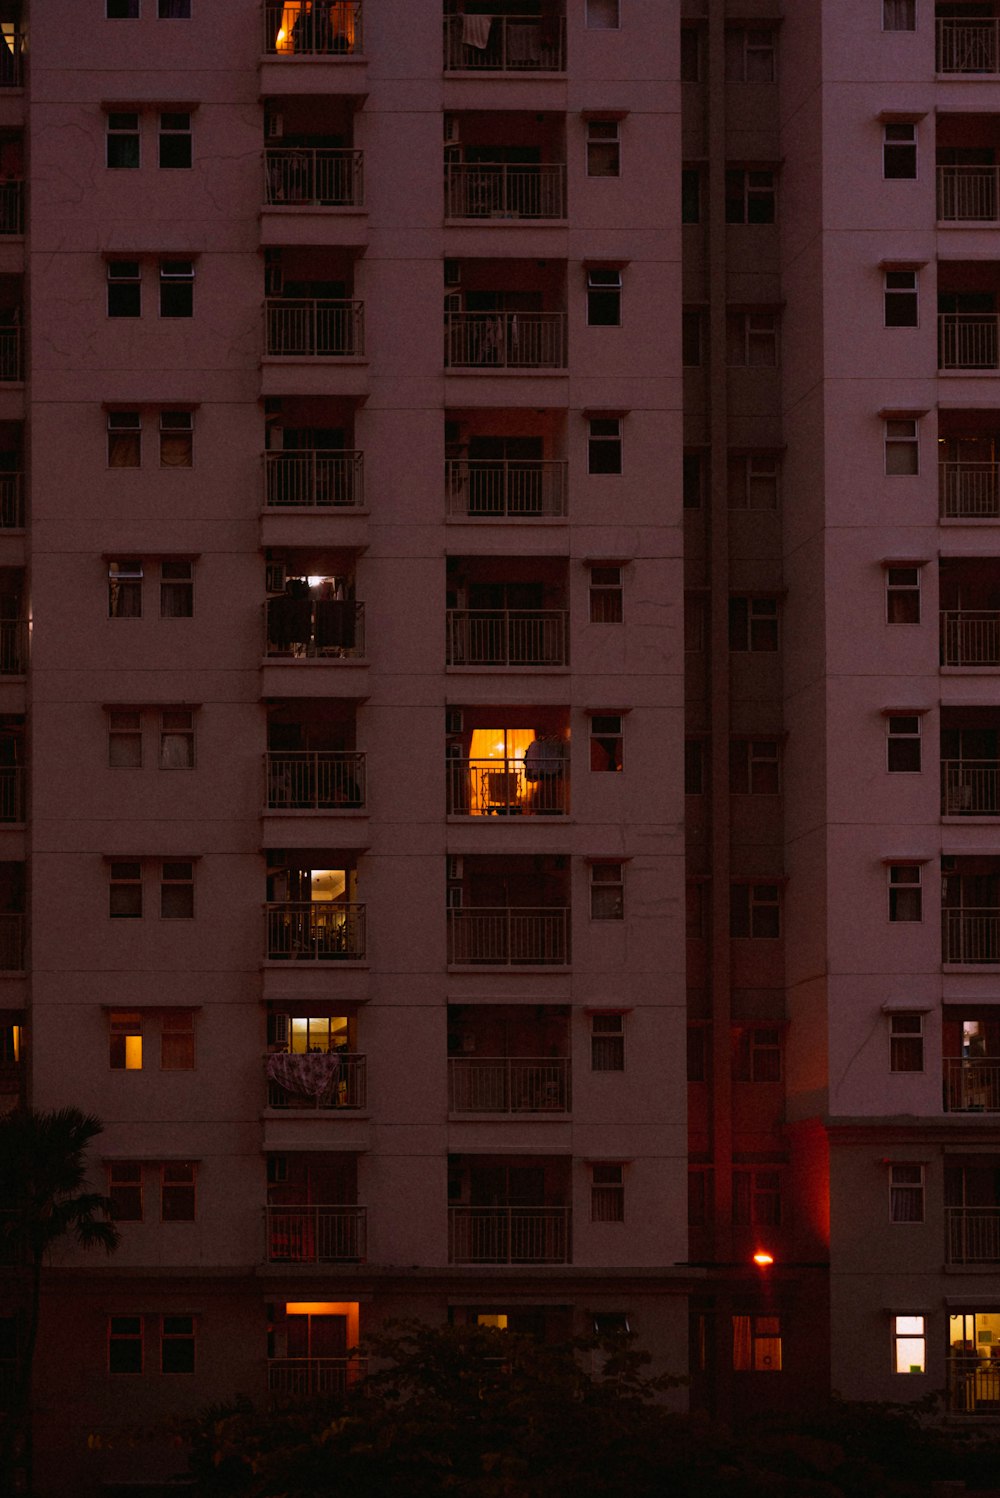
x: 176, y: 439
x: 174, y: 10
x: 124, y: 739
x: 902, y: 595
x: 176, y: 288
x: 604, y: 447
x: 125, y: 891
x: 125, y: 1037
x: 691, y: 195
x: 751, y: 340
x: 752, y: 480
x: 756, y: 1344
x: 177, y: 890
x: 899, y: 15
x: 694, y: 910
x: 750, y: 195
x: 177, y: 1040
x: 906, y: 1042
x: 604, y: 155
x: 694, y: 767
x: 603, y: 15
x: 123, y: 139
x: 903, y: 743
x: 900, y: 298
x: 906, y: 1193
x: 909, y: 1346
x: 757, y: 1054
x: 607, y: 1192
x: 695, y: 611
x: 750, y: 54
x: 901, y: 446
x: 122, y: 10
x: 176, y: 1342
x: 899, y: 151
x: 693, y: 480
x: 175, y: 139
x: 176, y: 738
x: 124, y: 438
x: 690, y: 54
x: 699, y: 1213
x: 177, y: 1191
x: 698, y: 1037
x: 691, y: 329
x: 607, y: 1042
x: 754, y: 767
x: 753, y: 624
x: 905, y: 903
x: 124, y: 1344
x: 607, y: 741
x: 607, y: 891
x: 607, y: 593
x: 124, y: 288
x: 125, y: 589
x: 125, y: 1190
x: 755, y: 910
x: 176, y: 590
x: 757, y: 1198
x: 604, y: 298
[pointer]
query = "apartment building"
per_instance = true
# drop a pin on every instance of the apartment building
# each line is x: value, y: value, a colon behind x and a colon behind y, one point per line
x: 341, y: 666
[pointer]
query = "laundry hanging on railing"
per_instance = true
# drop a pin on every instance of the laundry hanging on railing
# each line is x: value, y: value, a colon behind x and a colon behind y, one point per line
x: 308, y: 1075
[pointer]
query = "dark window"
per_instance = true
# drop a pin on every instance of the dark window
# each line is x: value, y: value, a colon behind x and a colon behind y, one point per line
x: 902, y: 595
x: 753, y: 624
x: 757, y: 1198
x: 123, y: 139
x: 752, y: 480
x: 603, y: 15
x: 906, y: 1193
x: 607, y: 1193
x: 902, y: 452
x: 125, y: 902
x: 754, y: 767
x: 900, y: 299
x: 176, y: 288
x: 607, y: 595
x: 691, y: 195
x: 177, y: 1344
x: 693, y: 480
x: 604, y: 157
x: 604, y: 447
x: 176, y: 590
x: 177, y: 1040
x: 750, y: 54
x: 899, y: 15
x: 174, y: 10
x: 694, y: 910
x: 690, y: 54
x: 903, y: 744
x: 124, y: 1344
x: 607, y: 1042
x: 905, y: 898
x: 755, y: 911
x: 697, y: 1053
x: 899, y: 151
x: 124, y: 739
x: 124, y: 439
x: 607, y: 891
x: 694, y: 767
x: 691, y: 325
x: 751, y: 339
x: 750, y: 195
x: 604, y: 298
x: 176, y: 439
x: 125, y: 589
x: 122, y: 10
x: 175, y: 139
x: 177, y: 891
x: 906, y: 1042
x: 176, y: 738
x: 757, y: 1054
x: 124, y: 288
x: 125, y: 1190
x: 177, y: 1191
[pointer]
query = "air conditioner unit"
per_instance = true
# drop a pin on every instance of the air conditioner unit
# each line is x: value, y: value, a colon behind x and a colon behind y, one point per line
x: 456, y: 866
x: 451, y: 131
x: 453, y: 720
x: 452, y: 273
x: 275, y: 577
x: 274, y: 126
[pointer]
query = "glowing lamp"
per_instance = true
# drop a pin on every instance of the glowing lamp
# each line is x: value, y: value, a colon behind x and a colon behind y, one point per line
x: 762, y: 1259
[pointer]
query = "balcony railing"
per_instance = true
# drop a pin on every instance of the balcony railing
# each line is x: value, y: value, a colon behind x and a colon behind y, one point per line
x: 967, y: 194
x: 12, y: 933
x: 508, y: 1084
x: 970, y: 936
x: 311, y: 478
x: 11, y: 793
x: 967, y: 340
x: 505, y: 340
x: 314, y: 628
x: 314, y: 1378
x: 313, y: 328
x: 320, y: 931
x: 327, y: 28
x: 11, y: 501
x: 969, y: 491
x: 967, y: 44
x: 973, y: 1386
x: 11, y: 207
x: 316, y: 1235
x: 504, y: 44
x: 498, y: 190
x: 347, y: 1089
x: 317, y: 178
x: 11, y: 367
x: 970, y: 637
x: 973, y: 1235
x: 506, y: 489
x: 500, y: 787
x: 969, y: 788
x: 507, y: 637
x: 505, y: 936
x: 971, y: 1085
x: 509, y: 1235
x: 315, y: 780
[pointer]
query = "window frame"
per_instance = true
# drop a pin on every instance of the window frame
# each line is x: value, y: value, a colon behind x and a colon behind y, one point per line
x: 758, y: 905
x: 915, y: 1190
x: 607, y: 1191
x: 174, y: 283
x: 125, y: 588
x: 609, y: 890
x: 748, y: 201
x: 743, y: 761
x: 181, y: 14
x: 604, y: 296
x: 899, y: 151
x: 120, y: 1338
x: 759, y: 1053
x: 759, y: 625
x: 171, y: 886
x: 606, y: 593
x: 176, y: 426
x: 173, y: 138
x: 907, y: 8
x: 604, y: 148
x: 121, y: 134
x: 119, y: 731
x: 176, y: 584
x: 902, y: 1041
x: 749, y: 332
x: 615, y: 756
x: 176, y: 1338
x: 610, y: 443
x: 760, y: 1331
x: 592, y: 11
x: 899, y: 739
x: 123, y: 1025
x: 746, y: 472
x: 120, y: 285
x: 124, y: 436
x: 896, y: 442
x: 898, y: 887
x: 184, y: 1190
x: 177, y: 730
x: 758, y: 1196
x: 902, y: 594
x: 182, y: 1035
x: 129, y: 8
x: 607, y: 1041
x: 748, y: 49
x: 913, y: 1335
x: 125, y: 1182
x: 900, y: 298
x: 121, y: 883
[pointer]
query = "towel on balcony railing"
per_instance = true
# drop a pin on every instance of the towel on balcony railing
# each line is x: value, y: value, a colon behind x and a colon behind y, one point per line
x: 289, y: 621
x: 476, y: 31
x: 335, y: 623
x: 309, y: 1075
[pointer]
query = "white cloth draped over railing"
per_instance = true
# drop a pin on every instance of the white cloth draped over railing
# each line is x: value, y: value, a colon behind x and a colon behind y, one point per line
x: 310, y: 1075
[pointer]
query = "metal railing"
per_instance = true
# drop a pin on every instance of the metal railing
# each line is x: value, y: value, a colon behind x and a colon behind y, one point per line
x: 12, y: 207
x: 973, y: 1386
x: 498, y: 190
x: 12, y: 781
x: 507, y: 637
x: 970, y: 637
x: 12, y: 934
x: 508, y: 1084
x: 967, y: 45
x: 313, y: 176
x: 315, y: 780
x: 13, y: 647
x: 967, y: 194
x: 314, y: 628
x: 509, y: 1235
x: 500, y: 787
x: 971, y: 1085
x: 506, y: 488
x: 969, y: 788
x: 11, y: 501
x: 504, y: 44
x: 314, y: 327
x: 317, y: 931
x: 968, y: 340
x: 969, y: 491
x: 348, y: 1089
x: 314, y: 478
x: 505, y: 340
x: 298, y: 28
x: 316, y: 1235
x: 973, y: 1235
x: 505, y: 936
x: 11, y: 367
x: 314, y: 1378
x: 970, y: 936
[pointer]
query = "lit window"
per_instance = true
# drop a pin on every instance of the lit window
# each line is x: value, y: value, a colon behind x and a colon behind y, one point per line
x: 176, y: 590
x: 177, y: 890
x: 607, y: 592
x: 604, y: 448
x: 176, y: 439
x: 757, y: 1054
x: 125, y: 1190
x: 124, y: 1344
x: 750, y: 195
x: 177, y: 1344
x: 750, y: 54
x: 752, y: 481
x: 753, y: 624
x: 607, y: 1042
x: 177, y: 1191
x: 900, y: 298
x: 899, y: 151
x: 607, y: 741
x: 124, y: 439
x: 690, y: 195
x: 603, y: 15
x: 693, y: 480
x: 694, y: 767
x: 755, y: 911
x: 175, y: 139
x: 123, y: 139
x: 899, y: 15
x: 906, y: 1193
x: 125, y: 589
x: 124, y: 738
x: 176, y: 738
x: 125, y: 1038
x: 124, y: 288
x: 756, y: 1344
x: 757, y: 1198
x: 604, y: 298
x: 607, y: 892
x: 902, y: 451
x: 902, y: 595
x: 906, y: 1042
x: 125, y: 890
x: 604, y: 158
x: 751, y: 340
x: 177, y: 1040
x: 909, y: 1345
x: 754, y: 767
x: 607, y: 1192
x: 903, y: 742
x: 176, y: 288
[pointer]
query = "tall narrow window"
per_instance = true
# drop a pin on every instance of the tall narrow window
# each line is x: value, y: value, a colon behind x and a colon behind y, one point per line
x: 607, y: 891
x: 177, y: 1191
x: 899, y: 151
x: 607, y: 1192
x: 690, y: 54
x: 607, y: 741
x: 177, y: 1344
x: 604, y: 447
x: 906, y: 1193
x: 902, y: 595
x: 125, y: 1190
x: 693, y: 480
x: 694, y: 767
x: 177, y: 1040
x: 903, y: 743
x: 175, y: 139
x: 125, y: 589
x: 607, y: 1042
x: 607, y: 595
x: 899, y: 15
x: 906, y: 1042
x: 124, y: 288
x: 756, y: 1344
x: 905, y: 896
x: 604, y: 298
x: 692, y: 322
x: 124, y: 738
x: 124, y: 1344
x: 691, y: 195
x: 604, y: 157
x: 176, y: 590
x: 124, y: 439
x: 176, y: 738
x: 901, y: 446
x: 177, y: 890
x: 125, y: 1041
x: 900, y: 298
x: 176, y: 439
x: 909, y: 1345
x: 125, y: 890
x: 176, y: 288
x: 123, y: 139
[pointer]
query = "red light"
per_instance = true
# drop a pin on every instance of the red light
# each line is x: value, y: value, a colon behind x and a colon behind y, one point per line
x: 762, y: 1260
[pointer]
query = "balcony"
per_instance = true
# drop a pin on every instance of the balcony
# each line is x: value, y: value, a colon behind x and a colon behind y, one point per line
x: 505, y: 44
x: 316, y: 1234
x: 971, y: 935
x: 970, y: 637
x: 317, y: 1081
x: 316, y: 780
x: 509, y: 1235
x: 305, y: 328
x: 314, y: 1378
x: 971, y: 1084
x: 507, y: 787
x: 304, y: 177
x: 313, y: 931
x: 973, y: 1237
x: 968, y: 45
x: 508, y: 936
x: 313, y: 629
x: 505, y: 340
x: 313, y: 28
x: 506, y: 489
x: 508, y: 1084
x: 967, y: 194
x: 500, y: 190
x: 314, y: 478
x: 507, y: 637
x: 969, y: 489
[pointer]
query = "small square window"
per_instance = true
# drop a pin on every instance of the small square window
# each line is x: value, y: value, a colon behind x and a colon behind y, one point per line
x: 693, y: 480
x: 901, y: 446
x: 607, y: 595
x: 604, y: 447
x: 899, y: 151
x: 125, y: 1041
x: 177, y: 1344
x: 756, y: 1344
x: 757, y: 1054
x: 124, y: 289
x: 752, y: 481
x: 177, y: 738
x: 694, y: 767
x: 125, y: 589
x: 750, y: 54
x: 902, y: 595
x: 177, y: 1191
x: 755, y: 911
x: 906, y: 1042
x: 607, y: 1192
x: 124, y: 739
x: 607, y: 741
x: 125, y: 1190
x: 177, y: 891
x: 751, y: 340
x: 753, y: 624
x: 903, y: 743
x: 125, y: 902
x: 754, y: 767
x: 909, y: 1345
x: 900, y: 298
x: 692, y: 325
x: 757, y: 1198
x: 177, y: 1040
x: 899, y: 15
x: 607, y: 892
x: 175, y: 139
x: 751, y: 195
x: 123, y: 138
x: 176, y: 439
x: 604, y: 298
x: 691, y: 195
x: 905, y: 896
x: 176, y: 590
x: 603, y: 15
x: 176, y: 288
x: 124, y: 1344
x: 124, y: 439
x: 604, y: 156
x: 906, y: 1193
x: 607, y: 1042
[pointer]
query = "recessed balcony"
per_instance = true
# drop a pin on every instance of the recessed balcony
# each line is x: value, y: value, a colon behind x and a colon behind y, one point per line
x: 11, y: 207
x: 970, y: 913
x: 311, y: 913
x: 508, y: 1060
x: 970, y: 618
x: 508, y: 165
x: 314, y: 478
x: 317, y: 1082
x: 313, y: 28
x: 969, y: 46
x: 313, y: 177
x: 506, y: 488
x: 509, y: 1211
x: 968, y: 482
x: 312, y: 780
x: 530, y: 41
x: 309, y: 328
x: 314, y: 1378
x: 507, y: 637
x: 312, y: 1216
x: 503, y: 340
